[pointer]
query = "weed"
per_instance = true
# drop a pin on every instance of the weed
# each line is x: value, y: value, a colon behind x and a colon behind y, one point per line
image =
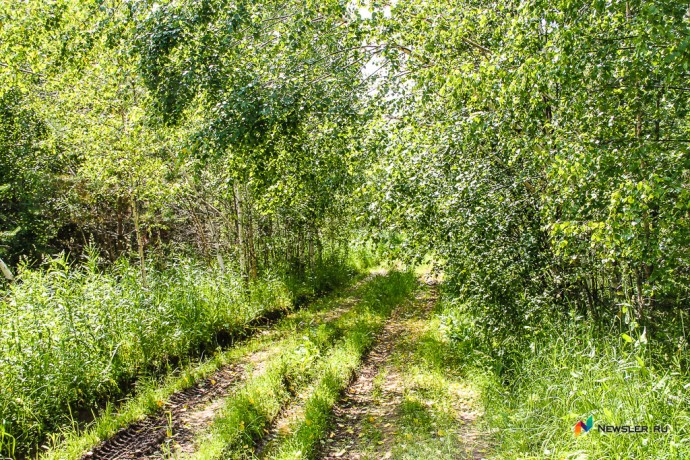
x: 573, y: 369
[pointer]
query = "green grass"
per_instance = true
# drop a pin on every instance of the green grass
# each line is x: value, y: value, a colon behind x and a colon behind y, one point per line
x: 335, y: 372
x: 571, y: 370
x: 74, y: 338
x: 337, y: 368
x: 574, y: 373
x: 246, y: 415
x: 425, y: 368
x: 248, y: 412
x: 71, y: 443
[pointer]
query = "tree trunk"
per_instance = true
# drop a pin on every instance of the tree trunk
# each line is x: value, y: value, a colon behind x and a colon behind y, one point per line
x: 319, y: 248
x: 251, y: 250
x: 201, y: 232
x: 640, y: 294
x: 240, y: 231
x: 219, y: 256
x: 140, y: 241
x: 311, y: 248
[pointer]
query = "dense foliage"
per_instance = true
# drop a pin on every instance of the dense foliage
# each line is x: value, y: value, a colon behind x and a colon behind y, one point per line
x: 72, y: 337
x: 541, y: 150
x: 225, y: 126
x: 213, y: 150
x: 205, y: 150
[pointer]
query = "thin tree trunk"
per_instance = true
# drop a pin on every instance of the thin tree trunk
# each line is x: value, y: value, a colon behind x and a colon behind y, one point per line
x: 251, y: 250
x: 140, y: 241
x: 200, y: 231
x: 640, y: 296
x: 319, y: 248
x: 219, y: 256
x: 311, y: 248
x: 240, y: 231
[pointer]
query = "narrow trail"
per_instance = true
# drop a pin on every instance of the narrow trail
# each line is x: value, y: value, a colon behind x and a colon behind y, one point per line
x: 371, y: 419
x: 355, y: 409
x: 404, y: 402
x: 172, y: 430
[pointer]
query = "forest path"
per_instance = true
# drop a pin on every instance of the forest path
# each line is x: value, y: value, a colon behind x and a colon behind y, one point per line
x: 407, y: 400
x: 172, y: 430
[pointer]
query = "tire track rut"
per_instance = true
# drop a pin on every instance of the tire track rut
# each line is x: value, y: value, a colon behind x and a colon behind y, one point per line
x: 173, y: 428
x: 350, y: 413
x: 147, y: 438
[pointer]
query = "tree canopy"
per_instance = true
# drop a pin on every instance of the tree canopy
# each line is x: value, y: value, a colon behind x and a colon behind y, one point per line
x: 539, y: 149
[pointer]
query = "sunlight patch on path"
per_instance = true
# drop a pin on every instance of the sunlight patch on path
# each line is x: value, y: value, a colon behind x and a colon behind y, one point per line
x: 408, y: 401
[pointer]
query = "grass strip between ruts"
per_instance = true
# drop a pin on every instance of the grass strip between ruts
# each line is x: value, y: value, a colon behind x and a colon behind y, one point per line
x: 245, y: 416
x: 337, y: 369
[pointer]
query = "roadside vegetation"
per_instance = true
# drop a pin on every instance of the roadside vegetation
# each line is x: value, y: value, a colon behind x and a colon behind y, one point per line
x: 174, y: 173
x: 622, y: 377
x: 153, y: 393
x: 74, y: 338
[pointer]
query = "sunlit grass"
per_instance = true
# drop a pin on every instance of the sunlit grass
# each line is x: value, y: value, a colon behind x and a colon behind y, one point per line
x: 437, y: 401
x: 573, y: 374
x: 74, y: 338
x: 336, y: 369
x: 323, y: 361
x: 571, y: 370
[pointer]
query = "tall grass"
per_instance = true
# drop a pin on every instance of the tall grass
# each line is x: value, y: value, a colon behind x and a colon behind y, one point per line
x: 571, y: 369
x: 72, y: 338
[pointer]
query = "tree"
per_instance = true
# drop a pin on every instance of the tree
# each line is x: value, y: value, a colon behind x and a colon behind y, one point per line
x: 538, y: 149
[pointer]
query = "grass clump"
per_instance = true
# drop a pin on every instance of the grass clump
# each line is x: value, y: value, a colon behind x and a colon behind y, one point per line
x: 571, y: 369
x: 574, y: 373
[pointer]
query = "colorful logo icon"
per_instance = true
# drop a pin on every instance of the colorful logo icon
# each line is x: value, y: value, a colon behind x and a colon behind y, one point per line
x: 583, y: 427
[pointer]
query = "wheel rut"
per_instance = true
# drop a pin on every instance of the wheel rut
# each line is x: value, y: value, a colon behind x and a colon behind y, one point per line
x: 376, y: 415
x: 172, y: 430
x: 281, y: 426
x: 153, y: 436
x: 352, y: 410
